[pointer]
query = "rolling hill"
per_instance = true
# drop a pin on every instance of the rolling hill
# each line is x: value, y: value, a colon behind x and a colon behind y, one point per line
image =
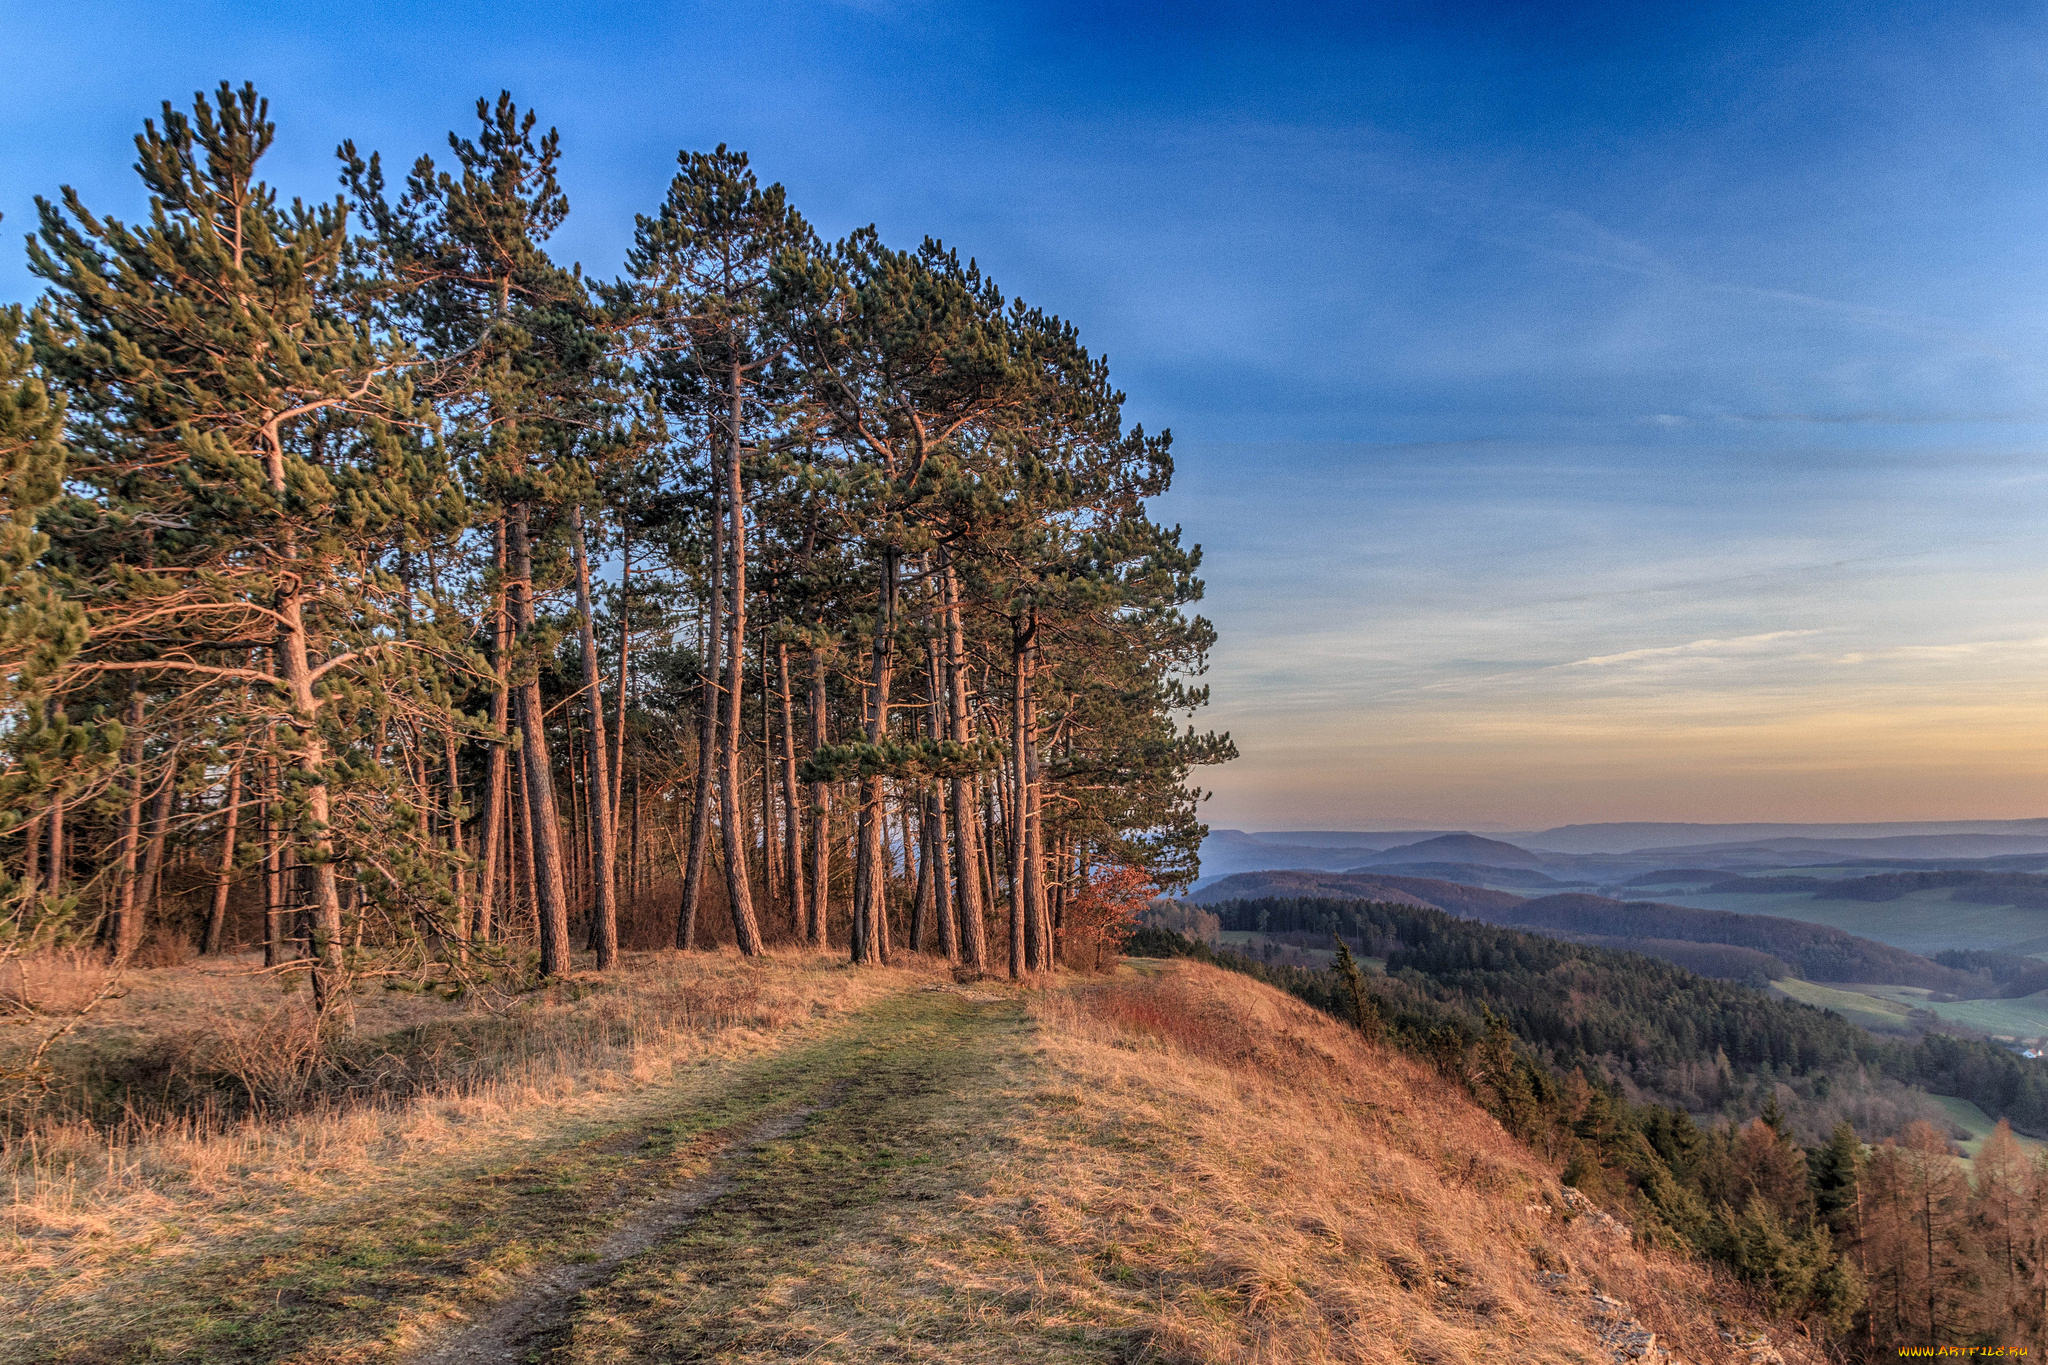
x: 1471, y: 901
x: 1752, y: 943
x: 1459, y: 848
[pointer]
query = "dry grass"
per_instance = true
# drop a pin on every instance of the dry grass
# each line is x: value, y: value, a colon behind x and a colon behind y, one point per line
x: 1179, y: 1165
x: 1280, y: 1191
x: 1173, y: 1164
x: 86, y: 1202
x: 57, y: 983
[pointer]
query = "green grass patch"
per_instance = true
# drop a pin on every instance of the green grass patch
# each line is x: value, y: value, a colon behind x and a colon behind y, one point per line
x: 1923, y: 922
x: 1966, y: 1115
x: 1869, y: 1011
x: 2022, y: 1019
x: 805, y: 1257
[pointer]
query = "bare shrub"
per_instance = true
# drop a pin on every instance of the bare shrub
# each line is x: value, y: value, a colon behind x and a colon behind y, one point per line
x: 58, y: 981
x: 162, y: 948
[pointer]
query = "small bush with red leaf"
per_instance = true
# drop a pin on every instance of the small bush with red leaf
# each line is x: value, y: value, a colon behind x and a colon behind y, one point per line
x: 1102, y: 915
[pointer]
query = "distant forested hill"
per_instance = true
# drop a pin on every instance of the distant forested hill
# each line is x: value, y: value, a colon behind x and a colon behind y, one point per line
x: 1814, y: 951
x: 1748, y: 945
x: 2029, y: 890
x: 1474, y: 901
x: 1668, y: 1032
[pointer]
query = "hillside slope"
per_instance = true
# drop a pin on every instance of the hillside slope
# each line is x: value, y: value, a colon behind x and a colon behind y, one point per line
x: 1173, y: 1164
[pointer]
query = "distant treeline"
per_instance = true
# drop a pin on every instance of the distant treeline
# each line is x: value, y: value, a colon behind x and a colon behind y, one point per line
x: 2028, y: 890
x: 1817, y: 952
x: 1754, y: 949
x: 1668, y: 1032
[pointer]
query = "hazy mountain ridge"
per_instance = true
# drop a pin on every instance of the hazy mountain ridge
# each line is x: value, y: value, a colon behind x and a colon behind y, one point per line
x: 1614, y: 855
x: 1637, y: 836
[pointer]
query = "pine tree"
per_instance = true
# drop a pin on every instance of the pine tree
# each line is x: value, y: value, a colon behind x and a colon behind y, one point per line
x: 703, y: 265
x: 901, y: 356
x: 41, y: 633
x: 518, y: 373
x: 244, y: 453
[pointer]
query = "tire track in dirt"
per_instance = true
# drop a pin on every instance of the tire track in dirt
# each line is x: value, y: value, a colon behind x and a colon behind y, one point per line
x: 509, y: 1331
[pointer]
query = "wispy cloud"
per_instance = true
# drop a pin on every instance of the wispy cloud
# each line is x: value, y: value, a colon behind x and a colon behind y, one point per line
x: 1691, y: 647
x: 1967, y: 649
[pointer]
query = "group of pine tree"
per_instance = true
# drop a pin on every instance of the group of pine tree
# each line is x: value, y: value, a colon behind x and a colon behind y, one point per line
x: 379, y: 589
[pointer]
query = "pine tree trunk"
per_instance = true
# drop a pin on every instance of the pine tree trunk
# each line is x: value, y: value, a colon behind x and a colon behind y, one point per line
x: 53, y: 872
x: 523, y: 894
x: 973, y: 930
x: 576, y: 848
x: 985, y: 838
x: 53, y: 853
x: 921, y: 928
x: 639, y: 840
x: 746, y: 927
x: 296, y: 671
x: 1025, y: 949
x: 1034, y: 828
x: 451, y: 760
x: 551, y: 903
x: 151, y: 879
x: 598, y: 789
x: 707, y: 729
x: 217, y: 914
x: 821, y: 813
x: 273, y: 864
x: 126, y: 932
x: 491, y: 830
x: 870, y: 869
x: 938, y: 848
x: 792, y: 824
x: 618, y: 768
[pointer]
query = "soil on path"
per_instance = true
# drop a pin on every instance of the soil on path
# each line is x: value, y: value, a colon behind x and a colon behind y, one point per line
x: 513, y: 1329
x: 498, y: 1264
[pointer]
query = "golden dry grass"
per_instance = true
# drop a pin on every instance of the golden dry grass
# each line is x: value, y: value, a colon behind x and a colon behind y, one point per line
x: 1289, y: 1193
x: 1170, y: 1164
x: 85, y: 1205
x: 1179, y: 1165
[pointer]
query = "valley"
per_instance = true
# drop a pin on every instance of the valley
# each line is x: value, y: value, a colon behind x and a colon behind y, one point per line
x: 1855, y: 934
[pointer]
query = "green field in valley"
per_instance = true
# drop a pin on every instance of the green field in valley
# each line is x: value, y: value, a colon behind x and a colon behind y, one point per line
x: 1885, y: 1008
x: 2026, y: 1017
x: 1922, y: 922
x: 1869, y: 1011
x: 1967, y: 1115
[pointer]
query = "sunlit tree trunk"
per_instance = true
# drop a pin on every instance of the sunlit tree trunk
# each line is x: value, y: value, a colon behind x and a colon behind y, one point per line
x: 821, y: 811
x: 870, y: 871
x: 966, y: 846
x: 126, y: 929
x: 551, y: 903
x: 274, y: 909
x: 745, y: 925
x: 598, y: 786
x: 497, y: 790
x: 707, y: 730
x: 792, y: 826
x: 223, y: 877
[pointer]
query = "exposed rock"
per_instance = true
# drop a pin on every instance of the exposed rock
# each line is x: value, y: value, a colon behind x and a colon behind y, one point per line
x: 1579, y: 1209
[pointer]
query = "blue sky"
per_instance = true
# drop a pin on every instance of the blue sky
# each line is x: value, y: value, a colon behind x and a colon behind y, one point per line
x: 1588, y: 412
